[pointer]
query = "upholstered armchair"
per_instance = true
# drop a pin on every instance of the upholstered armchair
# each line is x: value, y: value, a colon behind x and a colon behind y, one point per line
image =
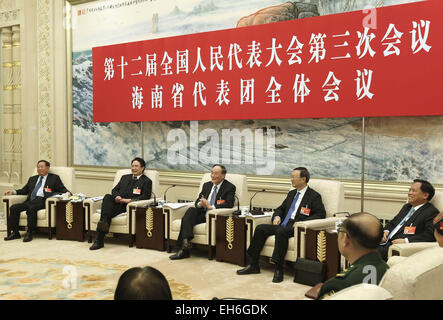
x: 416, y: 276
x: 45, y: 217
x: 332, y: 194
x: 204, y: 233
x: 412, y: 278
x: 124, y: 223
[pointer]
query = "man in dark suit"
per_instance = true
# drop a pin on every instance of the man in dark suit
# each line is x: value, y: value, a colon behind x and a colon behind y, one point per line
x: 39, y: 188
x: 414, y: 221
x: 131, y: 187
x: 215, y: 194
x: 301, y: 204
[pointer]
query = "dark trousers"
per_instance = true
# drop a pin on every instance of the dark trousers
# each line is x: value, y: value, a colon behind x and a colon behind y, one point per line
x: 261, y: 234
x: 109, y: 210
x: 384, y: 250
x: 31, y: 208
x: 192, y: 217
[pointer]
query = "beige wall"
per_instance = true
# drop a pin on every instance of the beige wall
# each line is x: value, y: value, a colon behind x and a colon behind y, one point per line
x: 46, y: 116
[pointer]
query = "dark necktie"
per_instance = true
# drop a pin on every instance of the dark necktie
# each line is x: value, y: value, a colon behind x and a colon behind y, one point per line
x: 400, y: 225
x: 288, y: 215
x: 36, y: 188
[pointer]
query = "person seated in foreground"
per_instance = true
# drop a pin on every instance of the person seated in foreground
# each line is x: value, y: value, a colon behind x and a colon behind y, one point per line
x: 358, y: 241
x: 142, y: 284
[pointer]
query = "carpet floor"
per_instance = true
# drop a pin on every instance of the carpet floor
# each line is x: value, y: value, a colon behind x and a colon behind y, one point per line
x: 68, y: 270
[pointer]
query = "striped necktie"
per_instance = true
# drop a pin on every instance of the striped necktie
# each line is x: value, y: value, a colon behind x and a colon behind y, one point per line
x: 400, y: 225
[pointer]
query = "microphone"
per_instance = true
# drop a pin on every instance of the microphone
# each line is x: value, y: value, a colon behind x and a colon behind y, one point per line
x: 238, y: 211
x: 155, y: 203
x: 255, y: 212
x: 164, y: 195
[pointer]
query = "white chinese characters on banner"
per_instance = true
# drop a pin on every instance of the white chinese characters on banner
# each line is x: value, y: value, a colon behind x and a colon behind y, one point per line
x: 199, y: 87
x: 247, y: 91
x: 220, y: 57
x: 109, y: 68
x: 177, y: 95
x: 137, y: 97
x: 331, y: 85
x: 364, y: 80
x: 420, y: 36
x: 300, y: 88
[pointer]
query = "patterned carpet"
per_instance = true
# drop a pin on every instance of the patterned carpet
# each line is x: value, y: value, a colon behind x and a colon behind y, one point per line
x: 58, y: 279
x: 68, y: 270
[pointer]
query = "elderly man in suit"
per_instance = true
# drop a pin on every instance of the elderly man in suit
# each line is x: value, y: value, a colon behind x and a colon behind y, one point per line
x: 131, y: 187
x: 217, y: 193
x: 414, y: 221
x: 39, y: 188
x: 301, y: 204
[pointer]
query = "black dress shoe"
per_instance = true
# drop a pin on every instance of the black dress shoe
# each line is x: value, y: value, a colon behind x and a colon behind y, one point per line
x: 97, y: 245
x: 278, y: 276
x: 12, y: 236
x: 249, y: 269
x: 181, y: 254
x: 28, y: 236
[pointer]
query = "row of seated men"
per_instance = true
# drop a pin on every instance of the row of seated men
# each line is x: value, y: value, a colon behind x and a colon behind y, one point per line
x: 362, y: 232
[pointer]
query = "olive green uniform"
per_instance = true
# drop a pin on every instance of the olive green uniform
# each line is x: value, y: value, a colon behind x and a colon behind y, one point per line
x: 355, y: 274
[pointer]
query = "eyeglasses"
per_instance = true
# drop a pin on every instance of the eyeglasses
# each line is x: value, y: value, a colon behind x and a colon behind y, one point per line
x: 341, y: 229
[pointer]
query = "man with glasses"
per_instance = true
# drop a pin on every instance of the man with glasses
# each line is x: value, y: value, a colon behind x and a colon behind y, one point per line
x: 358, y: 240
x: 301, y: 204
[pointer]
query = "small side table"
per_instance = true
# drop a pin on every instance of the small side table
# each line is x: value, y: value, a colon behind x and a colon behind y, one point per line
x: 330, y: 246
x: 230, y: 239
x: 150, y: 228
x: 70, y: 220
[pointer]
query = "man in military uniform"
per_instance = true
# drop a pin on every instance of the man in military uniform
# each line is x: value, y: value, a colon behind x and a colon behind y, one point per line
x: 358, y: 241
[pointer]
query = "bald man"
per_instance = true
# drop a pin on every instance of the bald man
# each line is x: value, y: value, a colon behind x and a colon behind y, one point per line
x: 358, y: 241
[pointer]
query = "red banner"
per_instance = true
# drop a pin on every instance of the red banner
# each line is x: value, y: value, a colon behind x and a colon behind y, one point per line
x: 380, y: 62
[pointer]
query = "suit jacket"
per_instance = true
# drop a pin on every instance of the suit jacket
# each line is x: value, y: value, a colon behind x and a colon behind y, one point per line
x: 421, y: 220
x: 225, y: 194
x: 125, y: 188
x: 53, y: 182
x: 311, y: 199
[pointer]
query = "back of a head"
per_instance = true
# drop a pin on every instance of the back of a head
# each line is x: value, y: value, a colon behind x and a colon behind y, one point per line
x: 142, y: 284
x: 365, y: 230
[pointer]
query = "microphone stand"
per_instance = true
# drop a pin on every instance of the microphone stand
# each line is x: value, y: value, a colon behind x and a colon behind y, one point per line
x: 255, y: 212
x: 164, y: 195
x: 238, y: 211
x: 155, y: 203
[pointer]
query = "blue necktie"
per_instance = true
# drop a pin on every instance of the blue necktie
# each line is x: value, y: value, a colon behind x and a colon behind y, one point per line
x: 393, y: 232
x: 213, y: 196
x: 288, y: 215
x: 36, y: 188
